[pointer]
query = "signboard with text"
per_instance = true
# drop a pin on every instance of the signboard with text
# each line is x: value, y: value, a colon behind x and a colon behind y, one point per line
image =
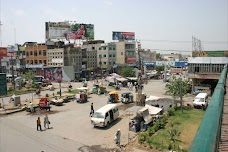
x: 130, y: 59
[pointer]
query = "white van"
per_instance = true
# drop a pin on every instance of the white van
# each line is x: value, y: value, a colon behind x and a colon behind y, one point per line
x: 105, y: 115
x: 201, y: 100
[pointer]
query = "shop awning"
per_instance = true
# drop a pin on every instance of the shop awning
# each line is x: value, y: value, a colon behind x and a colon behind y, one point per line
x: 121, y: 79
x: 153, y: 110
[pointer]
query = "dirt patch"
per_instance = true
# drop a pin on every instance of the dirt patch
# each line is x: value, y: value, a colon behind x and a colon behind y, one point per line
x: 96, y: 148
x: 126, y: 106
x: 40, y: 112
x: 135, y: 145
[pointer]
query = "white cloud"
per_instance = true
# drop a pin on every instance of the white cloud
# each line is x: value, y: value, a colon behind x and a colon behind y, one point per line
x: 19, y: 12
x: 108, y: 3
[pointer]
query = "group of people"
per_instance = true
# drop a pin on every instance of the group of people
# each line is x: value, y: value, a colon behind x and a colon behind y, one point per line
x: 46, y: 123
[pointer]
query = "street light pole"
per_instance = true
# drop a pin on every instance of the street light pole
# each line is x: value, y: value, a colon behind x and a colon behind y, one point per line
x: 12, y: 71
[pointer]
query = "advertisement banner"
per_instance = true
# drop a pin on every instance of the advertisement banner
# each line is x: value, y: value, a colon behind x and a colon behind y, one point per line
x: 219, y: 53
x: 64, y: 30
x: 12, y: 48
x: 81, y: 31
x: 3, y: 52
x: 56, y: 30
x: 130, y: 59
x: 53, y: 74
x: 123, y: 36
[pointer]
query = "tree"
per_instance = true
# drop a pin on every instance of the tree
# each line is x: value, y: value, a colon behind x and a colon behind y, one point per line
x: 160, y: 68
x: 177, y: 88
x: 29, y: 76
x: 127, y: 72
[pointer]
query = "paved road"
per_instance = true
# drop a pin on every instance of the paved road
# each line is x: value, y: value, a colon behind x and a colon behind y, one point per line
x: 71, y: 122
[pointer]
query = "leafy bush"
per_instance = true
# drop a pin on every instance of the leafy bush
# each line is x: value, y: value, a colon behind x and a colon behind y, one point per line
x: 171, y: 112
x: 10, y: 89
x: 58, y: 92
x: 47, y: 95
x: 142, y: 137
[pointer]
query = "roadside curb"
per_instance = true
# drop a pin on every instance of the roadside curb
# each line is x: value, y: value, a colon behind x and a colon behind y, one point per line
x: 4, y: 112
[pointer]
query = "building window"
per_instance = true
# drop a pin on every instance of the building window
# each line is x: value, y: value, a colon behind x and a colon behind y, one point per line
x: 35, y: 62
x: 110, y: 48
x: 40, y: 52
x: 104, y: 55
x: 114, y: 55
x: 110, y: 55
x: 31, y: 53
x: 104, y: 63
x: 35, y: 53
x: 99, y: 48
x: 114, y: 63
x: 109, y: 63
x: 44, y: 53
x: 100, y: 63
x: 40, y: 61
x: 100, y: 56
x: 27, y: 53
x: 121, y: 53
x: 104, y: 48
x: 113, y: 48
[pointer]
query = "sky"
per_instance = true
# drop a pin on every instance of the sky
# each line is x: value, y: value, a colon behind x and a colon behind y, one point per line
x: 153, y: 21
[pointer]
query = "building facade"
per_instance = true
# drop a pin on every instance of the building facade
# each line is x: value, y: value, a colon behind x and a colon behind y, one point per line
x: 106, y: 55
x: 36, y: 54
x: 125, y: 53
x: 55, y: 57
x: 205, y: 71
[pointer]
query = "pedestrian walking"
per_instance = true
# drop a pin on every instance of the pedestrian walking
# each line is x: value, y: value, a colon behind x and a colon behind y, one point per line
x: 38, y: 124
x: 46, y: 121
x: 117, y: 137
x: 91, y: 110
x: 31, y: 107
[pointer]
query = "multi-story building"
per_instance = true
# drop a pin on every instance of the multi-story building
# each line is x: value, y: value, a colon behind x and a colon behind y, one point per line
x: 55, y: 57
x: 106, y: 55
x: 126, y: 53
x: 36, y: 54
x: 73, y: 57
x: 204, y: 68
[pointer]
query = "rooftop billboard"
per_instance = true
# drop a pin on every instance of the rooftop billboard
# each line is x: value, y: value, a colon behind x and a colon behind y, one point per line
x: 219, y: 53
x: 64, y: 30
x: 123, y: 36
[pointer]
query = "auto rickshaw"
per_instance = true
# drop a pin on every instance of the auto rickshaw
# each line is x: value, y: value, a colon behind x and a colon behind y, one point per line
x: 113, y: 97
x: 127, y: 97
x: 81, y: 97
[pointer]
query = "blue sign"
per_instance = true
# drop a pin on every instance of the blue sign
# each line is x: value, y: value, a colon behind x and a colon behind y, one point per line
x: 149, y: 63
x: 181, y: 64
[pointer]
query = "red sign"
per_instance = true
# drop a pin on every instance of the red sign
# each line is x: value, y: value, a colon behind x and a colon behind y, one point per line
x: 128, y: 34
x: 130, y: 59
x: 3, y: 52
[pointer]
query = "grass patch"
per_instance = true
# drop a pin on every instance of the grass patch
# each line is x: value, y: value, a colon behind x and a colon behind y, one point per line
x: 179, y: 131
x: 75, y: 91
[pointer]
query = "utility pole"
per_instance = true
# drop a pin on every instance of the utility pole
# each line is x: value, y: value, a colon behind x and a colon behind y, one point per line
x: 12, y: 71
x: 140, y: 77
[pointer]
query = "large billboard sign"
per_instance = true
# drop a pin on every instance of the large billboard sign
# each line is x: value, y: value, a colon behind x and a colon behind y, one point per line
x: 219, y: 53
x: 81, y: 31
x: 53, y: 74
x: 123, y: 36
x: 3, y: 52
x: 64, y: 30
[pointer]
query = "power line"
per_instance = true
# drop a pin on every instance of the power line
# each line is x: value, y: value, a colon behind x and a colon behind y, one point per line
x: 179, y: 41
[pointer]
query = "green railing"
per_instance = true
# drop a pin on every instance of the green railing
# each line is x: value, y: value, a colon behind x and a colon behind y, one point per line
x: 208, y: 134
